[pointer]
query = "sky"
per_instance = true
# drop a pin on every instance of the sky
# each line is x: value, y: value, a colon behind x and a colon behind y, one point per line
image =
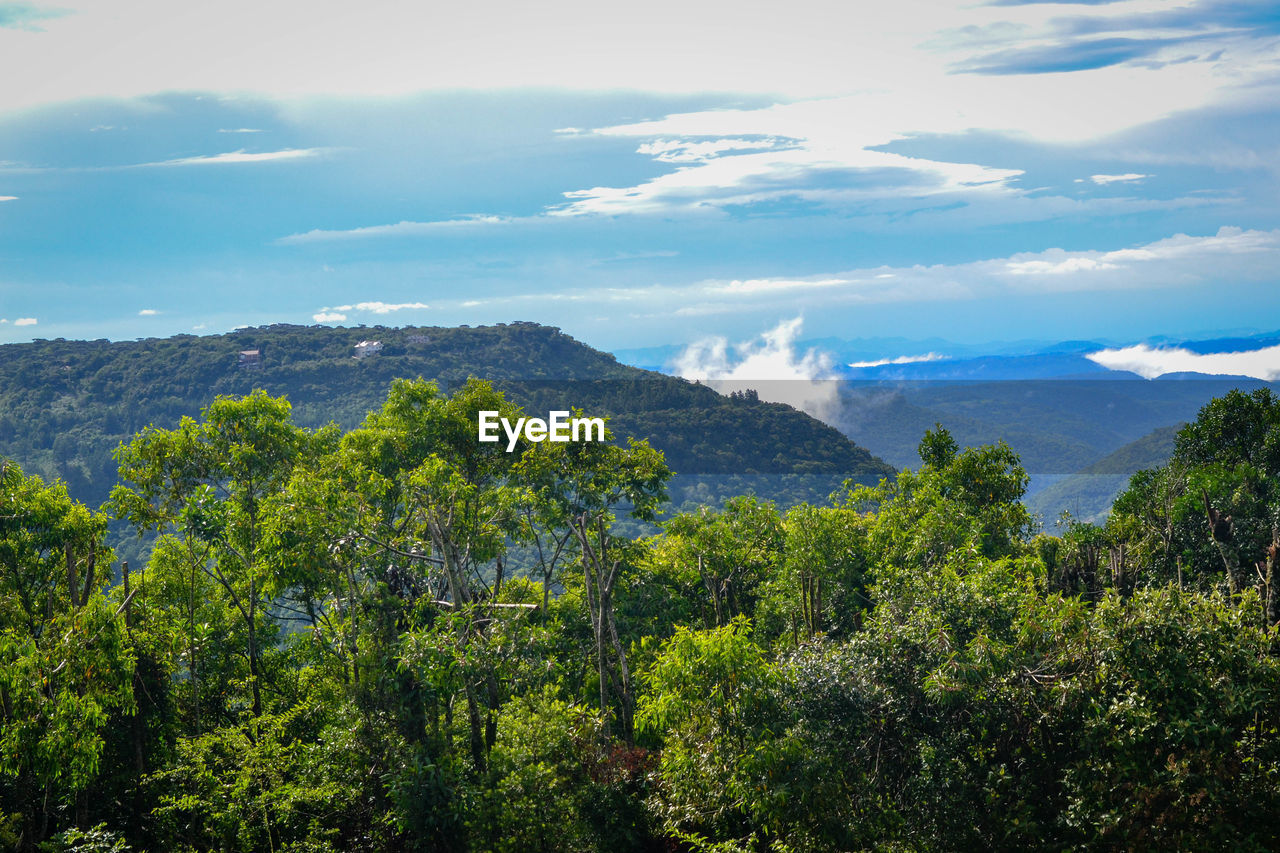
x: 644, y: 175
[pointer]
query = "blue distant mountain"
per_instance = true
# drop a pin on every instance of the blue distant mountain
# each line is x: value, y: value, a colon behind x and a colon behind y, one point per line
x: 1079, y: 428
x: 892, y: 359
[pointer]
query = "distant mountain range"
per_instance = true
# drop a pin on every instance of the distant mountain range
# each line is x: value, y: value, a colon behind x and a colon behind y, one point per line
x: 1081, y: 429
x: 898, y: 359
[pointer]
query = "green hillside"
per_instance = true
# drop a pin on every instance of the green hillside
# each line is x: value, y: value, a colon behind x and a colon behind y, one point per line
x: 1057, y: 427
x: 1088, y: 495
x: 65, y: 405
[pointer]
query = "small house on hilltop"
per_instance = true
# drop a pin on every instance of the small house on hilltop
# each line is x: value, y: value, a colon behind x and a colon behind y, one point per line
x: 364, y: 349
x: 250, y: 359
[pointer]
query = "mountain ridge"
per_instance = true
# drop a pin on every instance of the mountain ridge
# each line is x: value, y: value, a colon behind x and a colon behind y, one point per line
x: 64, y: 405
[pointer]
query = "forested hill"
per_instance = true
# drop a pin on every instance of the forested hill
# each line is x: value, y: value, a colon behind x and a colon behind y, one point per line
x: 65, y: 405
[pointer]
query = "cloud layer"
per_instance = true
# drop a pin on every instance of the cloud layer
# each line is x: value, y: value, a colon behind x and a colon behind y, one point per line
x: 339, y: 313
x: 771, y: 365
x: 1180, y: 261
x: 1151, y: 362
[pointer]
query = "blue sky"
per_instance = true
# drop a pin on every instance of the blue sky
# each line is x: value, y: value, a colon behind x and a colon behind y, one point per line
x: 643, y: 176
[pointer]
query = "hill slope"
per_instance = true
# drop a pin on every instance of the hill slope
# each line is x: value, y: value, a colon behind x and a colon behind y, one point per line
x: 1088, y: 495
x: 65, y: 405
x: 1056, y: 426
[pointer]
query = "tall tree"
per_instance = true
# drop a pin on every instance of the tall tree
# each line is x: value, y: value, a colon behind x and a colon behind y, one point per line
x: 65, y: 663
x: 209, y: 480
x: 589, y: 481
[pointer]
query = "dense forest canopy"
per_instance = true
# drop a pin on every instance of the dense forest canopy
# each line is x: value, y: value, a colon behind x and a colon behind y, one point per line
x: 329, y: 649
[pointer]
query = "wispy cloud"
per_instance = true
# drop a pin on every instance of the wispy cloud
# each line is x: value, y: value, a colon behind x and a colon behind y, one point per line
x: 1151, y: 362
x: 340, y: 313
x: 1117, y: 179
x: 8, y: 198
x: 1062, y: 2
x: 819, y: 152
x: 1074, y: 264
x: 623, y: 257
x: 1072, y: 55
x: 1232, y: 255
x: 685, y: 151
x: 381, y: 307
x: 25, y: 321
x: 399, y: 229
x: 240, y: 130
x: 902, y: 359
x: 773, y: 285
x: 148, y: 312
x: 237, y: 157
x: 25, y: 16
x: 1152, y: 36
x: 1178, y: 260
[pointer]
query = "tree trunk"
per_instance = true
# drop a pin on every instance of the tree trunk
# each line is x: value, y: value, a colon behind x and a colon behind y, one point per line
x: 73, y: 583
x: 1271, y: 602
x: 711, y: 591
x: 90, y: 565
x: 1221, y: 531
x: 253, y: 648
x: 477, y: 738
x: 594, y: 608
x: 627, y: 700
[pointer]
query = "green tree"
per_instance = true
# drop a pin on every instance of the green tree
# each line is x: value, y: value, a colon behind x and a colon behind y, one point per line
x: 1214, y: 510
x: 209, y: 481
x: 65, y: 663
x: 712, y: 699
x: 734, y: 551
x: 827, y: 573
x: 586, y: 482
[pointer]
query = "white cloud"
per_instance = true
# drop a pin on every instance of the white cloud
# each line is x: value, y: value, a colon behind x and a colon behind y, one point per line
x: 1117, y: 179
x: 380, y: 307
x: 399, y: 229
x: 907, y: 47
x: 727, y: 158
x: 8, y: 198
x: 148, y: 312
x: 902, y: 359
x: 1231, y: 256
x: 1181, y: 260
x: 684, y: 151
x: 339, y: 313
x: 239, y: 130
x: 770, y: 365
x: 25, y: 321
x: 237, y: 157
x: 1151, y: 362
x: 766, y: 285
x: 1069, y: 265
x: 3, y: 321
